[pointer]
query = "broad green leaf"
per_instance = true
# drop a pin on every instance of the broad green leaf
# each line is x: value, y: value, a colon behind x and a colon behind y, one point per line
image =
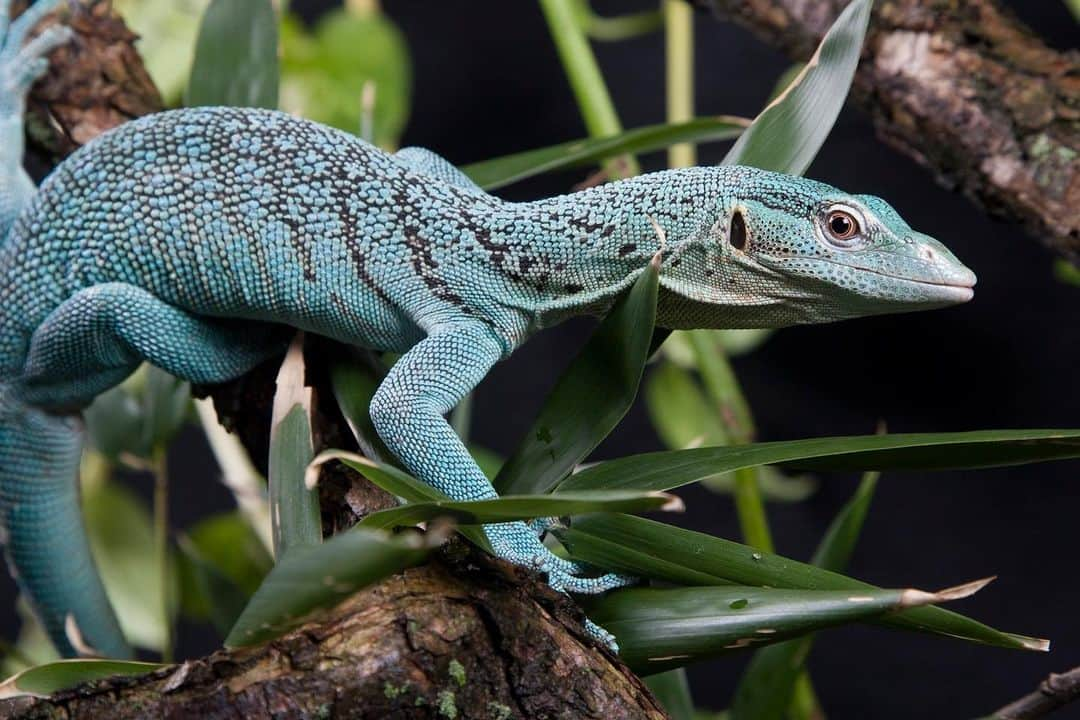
x: 294, y: 507
x: 222, y: 563
x: 167, y: 405
x: 354, y: 385
x: 236, y: 56
x: 396, y: 483
x: 590, y: 398
x: 44, y: 680
x: 205, y: 592
x: 509, y: 508
x: 495, y: 173
x: 768, y: 683
x: 352, y: 71
x: 788, y: 133
x: 661, y: 629
x: 646, y: 548
x: 672, y: 689
x: 316, y: 577
x: 121, y: 535
x: 914, y: 451
x: 140, y: 415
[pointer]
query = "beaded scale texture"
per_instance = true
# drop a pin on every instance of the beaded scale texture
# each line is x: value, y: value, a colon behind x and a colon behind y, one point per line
x: 199, y: 239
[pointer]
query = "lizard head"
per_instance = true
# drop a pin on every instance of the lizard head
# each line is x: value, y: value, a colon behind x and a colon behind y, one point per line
x: 782, y: 250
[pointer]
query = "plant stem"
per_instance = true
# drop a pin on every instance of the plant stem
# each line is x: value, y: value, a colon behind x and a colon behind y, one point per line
x: 679, y: 43
x: 751, y: 510
x: 1074, y: 6
x: 619, y: 27
x: 160, y: 468
x: 593, y: 99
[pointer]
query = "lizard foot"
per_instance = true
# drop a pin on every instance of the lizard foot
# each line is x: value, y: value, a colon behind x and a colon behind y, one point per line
x: 519, y: 543
x: 21, y: 66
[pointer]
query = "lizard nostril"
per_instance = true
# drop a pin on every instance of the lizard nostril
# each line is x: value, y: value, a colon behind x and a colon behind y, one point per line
x: 927, y: 253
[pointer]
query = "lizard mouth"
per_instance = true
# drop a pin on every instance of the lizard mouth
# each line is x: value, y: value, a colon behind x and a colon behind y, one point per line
x: 941, y: 284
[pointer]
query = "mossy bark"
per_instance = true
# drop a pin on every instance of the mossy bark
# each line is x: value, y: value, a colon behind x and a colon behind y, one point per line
x: 462, y: 637
x: 963, y: 88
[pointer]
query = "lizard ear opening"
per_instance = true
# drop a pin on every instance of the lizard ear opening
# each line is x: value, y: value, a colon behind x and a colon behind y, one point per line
x: 737, y: 232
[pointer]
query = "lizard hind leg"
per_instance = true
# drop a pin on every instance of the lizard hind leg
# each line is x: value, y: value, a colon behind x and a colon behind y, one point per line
x: 101, y: 334
x: 90, y: 342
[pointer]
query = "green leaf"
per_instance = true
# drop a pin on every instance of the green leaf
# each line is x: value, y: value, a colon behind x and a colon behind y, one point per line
x: 661, y: 629
x: 223, y: 562
x: 294, y: 507
x: 509, y: 508
x: 354, y: 385
x: 650, y: 549
x: 672, y: 689
x: 316, y: 577
x: 352, y: 72
x: 914, y: 451
x: 590, y: 398
x: 121, y: 535
x: 396, y: 483
x: 44, y: 680
x: 788, y: 133
x: 768, y: 684
x: 167, y: 404
x: 497, y: 172
x: 140, y: 415
x: 236, y: 56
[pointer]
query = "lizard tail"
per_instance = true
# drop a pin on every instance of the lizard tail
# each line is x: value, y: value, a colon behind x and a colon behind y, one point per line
x: 42, y: 527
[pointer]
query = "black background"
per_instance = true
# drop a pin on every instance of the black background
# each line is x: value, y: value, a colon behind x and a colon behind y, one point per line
x: 487, y: 82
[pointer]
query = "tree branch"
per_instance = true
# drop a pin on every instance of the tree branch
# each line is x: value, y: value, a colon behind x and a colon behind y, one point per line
x: 965, y: 90
x: 464, y: 637
x: 1054, y: 693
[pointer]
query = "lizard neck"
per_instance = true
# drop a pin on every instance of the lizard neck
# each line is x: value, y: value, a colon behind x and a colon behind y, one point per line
x: 597, y: 241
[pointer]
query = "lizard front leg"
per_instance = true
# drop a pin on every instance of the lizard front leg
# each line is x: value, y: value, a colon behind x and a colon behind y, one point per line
x: 407, y: 411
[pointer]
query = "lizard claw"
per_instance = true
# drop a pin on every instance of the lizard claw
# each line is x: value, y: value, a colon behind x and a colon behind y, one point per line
x: 518, y: 543
x: 21, y: 66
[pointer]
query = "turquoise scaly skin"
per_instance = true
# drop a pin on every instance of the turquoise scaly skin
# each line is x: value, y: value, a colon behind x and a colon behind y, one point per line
x: 198, y: 239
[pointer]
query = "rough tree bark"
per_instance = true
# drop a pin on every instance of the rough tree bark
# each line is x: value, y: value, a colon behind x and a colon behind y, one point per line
x: 465, y: 636
x: 967, y: 91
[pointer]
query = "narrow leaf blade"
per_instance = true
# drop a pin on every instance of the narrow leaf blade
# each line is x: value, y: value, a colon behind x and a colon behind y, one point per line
x: 497, y: 172
x: 788, y: 133
x: 395, y: 482
x: 510, y: 508
x: 316, y: 577
x: 44, y: 680
x: 590, y: 398
x: 647, y: 548
x: 915, y: 451
x: 768, y: 684
x: 294, y: 508
x: 660, y: 629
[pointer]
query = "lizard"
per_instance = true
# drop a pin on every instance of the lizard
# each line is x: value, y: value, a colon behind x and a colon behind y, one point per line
x: 200, y: 239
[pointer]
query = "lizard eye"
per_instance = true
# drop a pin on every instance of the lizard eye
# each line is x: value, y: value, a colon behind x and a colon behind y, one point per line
x: 842, y: 229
